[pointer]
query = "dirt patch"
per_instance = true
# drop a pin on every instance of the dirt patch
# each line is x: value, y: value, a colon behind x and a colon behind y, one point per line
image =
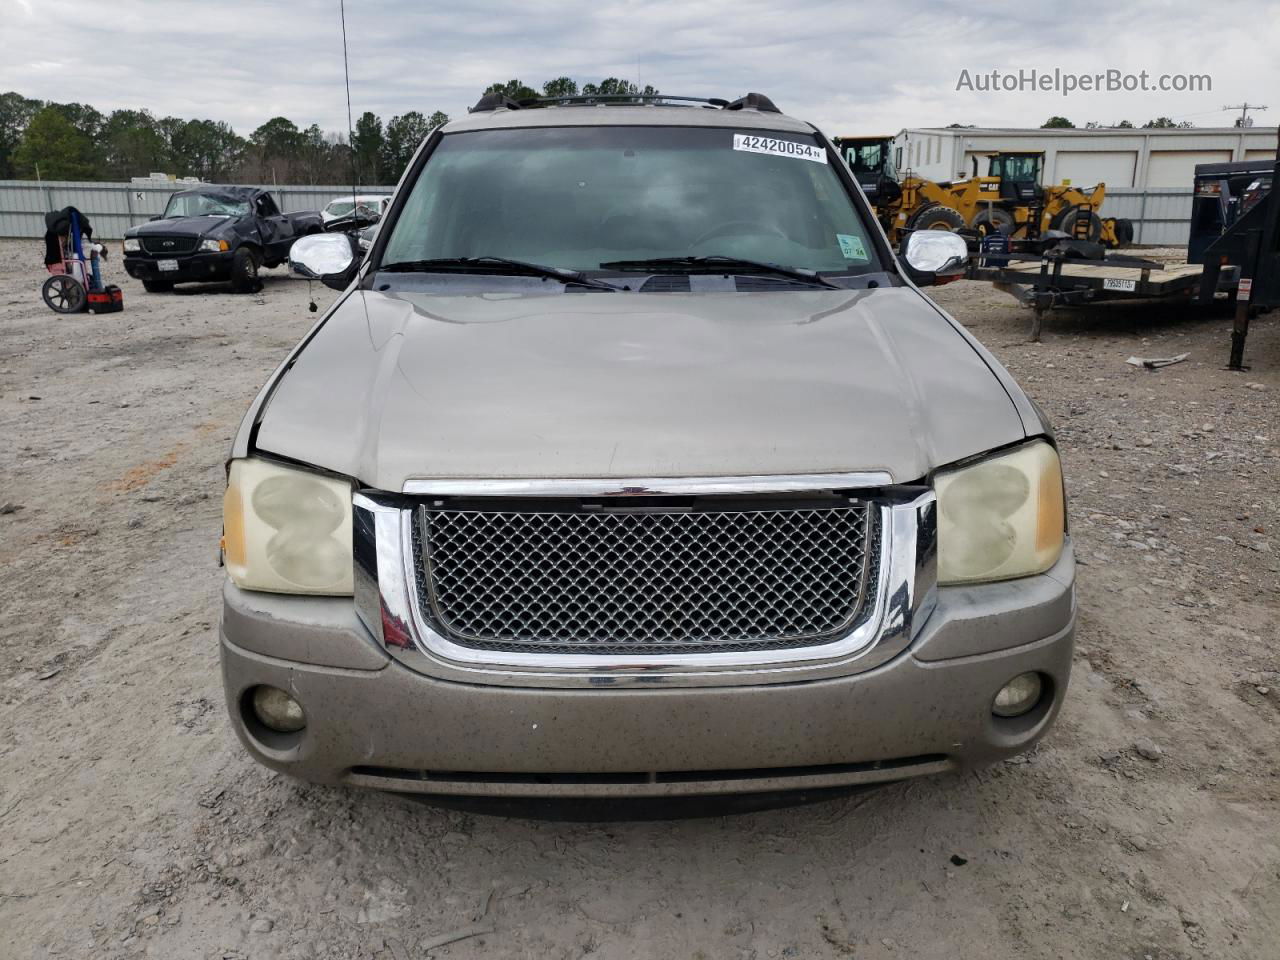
x: 133, y: 824
x: 144, y: 473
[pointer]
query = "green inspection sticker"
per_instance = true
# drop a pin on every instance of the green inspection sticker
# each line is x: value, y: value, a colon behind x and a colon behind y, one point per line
x: 852, y: 247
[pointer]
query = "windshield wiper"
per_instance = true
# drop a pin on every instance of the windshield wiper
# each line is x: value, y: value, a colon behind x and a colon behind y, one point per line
x: 723, y: 264
x: 487, y: 264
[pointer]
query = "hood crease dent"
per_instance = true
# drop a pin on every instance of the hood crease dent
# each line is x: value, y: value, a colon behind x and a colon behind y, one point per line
x: 409, y: 385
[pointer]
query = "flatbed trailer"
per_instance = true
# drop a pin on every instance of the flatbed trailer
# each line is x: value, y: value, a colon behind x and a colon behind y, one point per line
x: 1042, y: 282
x: 1235, y: 239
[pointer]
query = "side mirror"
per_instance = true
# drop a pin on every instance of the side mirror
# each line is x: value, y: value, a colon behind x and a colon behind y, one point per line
x: 934, y: 256
x: 327, y: 257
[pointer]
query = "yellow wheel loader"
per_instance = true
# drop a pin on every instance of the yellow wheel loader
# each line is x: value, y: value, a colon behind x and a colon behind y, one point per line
x: 1008, y: 200
x: 871, y: 160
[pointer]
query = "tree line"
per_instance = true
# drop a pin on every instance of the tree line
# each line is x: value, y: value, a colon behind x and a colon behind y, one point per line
x: 1159, y: 123
x: 568, y: 87
x: 75, y: 141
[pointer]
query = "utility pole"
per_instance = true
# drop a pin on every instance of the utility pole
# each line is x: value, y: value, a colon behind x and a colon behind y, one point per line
x: 1244, y: 109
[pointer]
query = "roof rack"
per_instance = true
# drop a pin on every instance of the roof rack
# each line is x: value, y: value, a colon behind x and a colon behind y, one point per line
x: 500, y: 101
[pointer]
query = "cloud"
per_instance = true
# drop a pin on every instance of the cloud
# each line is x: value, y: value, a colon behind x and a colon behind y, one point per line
x: 849, y: 67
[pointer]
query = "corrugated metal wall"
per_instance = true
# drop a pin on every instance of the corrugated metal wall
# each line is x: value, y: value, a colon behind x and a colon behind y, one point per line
x: 1160, y: 216
x: 113, y: 207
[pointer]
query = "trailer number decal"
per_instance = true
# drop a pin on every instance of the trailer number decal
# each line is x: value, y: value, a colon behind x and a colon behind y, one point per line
x: 779, y: 148
x: 1111, y: 283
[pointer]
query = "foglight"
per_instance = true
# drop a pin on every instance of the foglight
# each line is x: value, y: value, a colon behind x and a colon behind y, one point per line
x: 1018, y: 696
x: 277, y: 710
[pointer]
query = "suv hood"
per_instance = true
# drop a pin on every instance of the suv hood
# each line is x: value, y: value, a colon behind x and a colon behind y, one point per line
x: 405, y: 385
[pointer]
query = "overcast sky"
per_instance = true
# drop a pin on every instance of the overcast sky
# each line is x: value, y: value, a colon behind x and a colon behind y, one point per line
x: 848, y: 66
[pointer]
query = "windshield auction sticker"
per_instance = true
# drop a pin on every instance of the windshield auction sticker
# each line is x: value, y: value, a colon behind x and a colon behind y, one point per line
x: 851, y: 247
x: 752, y: 143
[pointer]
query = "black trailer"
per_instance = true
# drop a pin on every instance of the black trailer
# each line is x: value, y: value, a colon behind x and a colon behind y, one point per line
x: 1223, y: 193
x: 1249, y: 243
x: 1056, y: 277
x: 1233, y: 248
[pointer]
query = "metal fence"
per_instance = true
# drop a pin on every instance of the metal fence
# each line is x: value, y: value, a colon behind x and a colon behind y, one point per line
x: 1160, y: 216
x: 113, y: 207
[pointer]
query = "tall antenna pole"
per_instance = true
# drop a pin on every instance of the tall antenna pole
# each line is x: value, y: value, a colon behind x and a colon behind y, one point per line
x: 346, y: 74
x: 1244, y: 109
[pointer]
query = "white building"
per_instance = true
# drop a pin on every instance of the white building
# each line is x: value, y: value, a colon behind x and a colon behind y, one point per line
x: 1120, y: 158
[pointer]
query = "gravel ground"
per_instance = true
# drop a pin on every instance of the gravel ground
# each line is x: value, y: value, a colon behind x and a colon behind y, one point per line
x: 131, y: 824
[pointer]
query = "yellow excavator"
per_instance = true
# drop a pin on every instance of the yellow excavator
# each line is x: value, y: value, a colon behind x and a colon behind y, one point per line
x: 1008, y: 200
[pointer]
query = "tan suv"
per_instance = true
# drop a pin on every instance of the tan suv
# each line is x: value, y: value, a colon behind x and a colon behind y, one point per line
x: 632, y: 461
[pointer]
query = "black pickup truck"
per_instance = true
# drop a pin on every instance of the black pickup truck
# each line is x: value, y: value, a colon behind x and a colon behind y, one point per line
x: 214, y: 233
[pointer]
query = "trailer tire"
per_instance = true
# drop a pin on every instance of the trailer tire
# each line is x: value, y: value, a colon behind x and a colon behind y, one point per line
x: 244, y: 271
x: 1001, y: 220
x: 1066, y: 222
x: 937, y: 217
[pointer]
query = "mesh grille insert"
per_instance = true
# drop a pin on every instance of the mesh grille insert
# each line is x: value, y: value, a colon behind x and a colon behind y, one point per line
x: 643, y: 580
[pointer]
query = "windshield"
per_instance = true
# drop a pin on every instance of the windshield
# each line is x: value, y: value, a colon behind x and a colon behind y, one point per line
x: 367, y: 208
x: 1015, y: 167
x: 578, y: 197
x: 204, y: 205
x: 866, y: 158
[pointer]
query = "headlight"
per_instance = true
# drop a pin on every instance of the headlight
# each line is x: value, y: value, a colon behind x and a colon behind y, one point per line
x: 1001, y: 518
x: 132, y: 245
x: 214, y: 246
x: 286, y: 530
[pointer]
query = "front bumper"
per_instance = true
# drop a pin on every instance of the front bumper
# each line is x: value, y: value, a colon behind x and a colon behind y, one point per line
x: 374, y: 721
x: 191, y: 268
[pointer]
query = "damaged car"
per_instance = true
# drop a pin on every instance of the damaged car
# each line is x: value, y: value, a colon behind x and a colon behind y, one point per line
x: 214, y: 233
x: 366, y: 208
x: 633, y: 462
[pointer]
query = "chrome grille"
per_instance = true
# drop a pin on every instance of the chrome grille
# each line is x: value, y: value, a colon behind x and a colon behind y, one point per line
x: 644, y: 580
x: 165, y: 246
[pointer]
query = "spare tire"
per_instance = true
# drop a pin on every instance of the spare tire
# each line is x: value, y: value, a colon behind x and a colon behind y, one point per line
x: 937, y: 217
x: 1124, y: 232
x: 1066, y: 222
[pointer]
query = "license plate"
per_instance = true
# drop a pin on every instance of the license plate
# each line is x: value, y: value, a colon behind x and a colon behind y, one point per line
x: 1112, y: 283
x: 167, y: 265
